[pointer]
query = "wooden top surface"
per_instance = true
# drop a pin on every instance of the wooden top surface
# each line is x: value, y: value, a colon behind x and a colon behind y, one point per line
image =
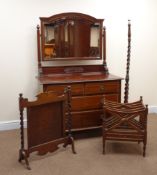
x: 76, y: 78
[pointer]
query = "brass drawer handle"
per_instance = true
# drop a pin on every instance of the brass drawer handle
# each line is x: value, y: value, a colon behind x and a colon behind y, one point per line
x: 102, y: 88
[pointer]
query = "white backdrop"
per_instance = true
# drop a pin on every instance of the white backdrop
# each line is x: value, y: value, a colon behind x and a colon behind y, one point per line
x: 18, y: 48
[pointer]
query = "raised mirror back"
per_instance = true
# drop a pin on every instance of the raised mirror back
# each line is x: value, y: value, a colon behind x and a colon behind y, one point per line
x: 71, y: 36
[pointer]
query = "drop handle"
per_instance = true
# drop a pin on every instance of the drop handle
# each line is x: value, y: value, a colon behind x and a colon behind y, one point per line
x: 102, y: 88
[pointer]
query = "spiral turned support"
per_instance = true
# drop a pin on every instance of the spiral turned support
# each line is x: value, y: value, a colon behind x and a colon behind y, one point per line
x: 126, y: 92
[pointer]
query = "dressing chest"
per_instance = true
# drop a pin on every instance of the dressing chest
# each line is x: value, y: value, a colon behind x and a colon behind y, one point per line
x: 72, y: 52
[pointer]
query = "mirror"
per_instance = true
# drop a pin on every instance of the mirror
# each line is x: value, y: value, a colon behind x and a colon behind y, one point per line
x: 71, y: 38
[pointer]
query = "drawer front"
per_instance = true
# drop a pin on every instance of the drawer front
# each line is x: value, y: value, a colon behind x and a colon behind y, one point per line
x: 76, y: 89
x: 102, y: 87
x: 113, y: 97
x: 86, y: 119
x: 90, y: 102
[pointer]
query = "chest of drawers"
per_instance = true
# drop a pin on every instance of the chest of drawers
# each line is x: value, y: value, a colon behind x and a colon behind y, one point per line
x: 88, y: 90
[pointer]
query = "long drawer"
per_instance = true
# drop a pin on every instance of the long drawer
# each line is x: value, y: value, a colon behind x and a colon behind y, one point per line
x: 91, y: 102
x: 86, y: 119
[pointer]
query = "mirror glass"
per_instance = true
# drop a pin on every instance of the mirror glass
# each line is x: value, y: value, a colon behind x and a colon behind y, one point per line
x: 67, y: 38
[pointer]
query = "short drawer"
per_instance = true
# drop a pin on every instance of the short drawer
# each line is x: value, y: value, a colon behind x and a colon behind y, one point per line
x: 76, y: 89
x: 102, y: 87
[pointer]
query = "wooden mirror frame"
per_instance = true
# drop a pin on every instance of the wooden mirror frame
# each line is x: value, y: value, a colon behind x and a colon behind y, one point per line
x: 71, y: 16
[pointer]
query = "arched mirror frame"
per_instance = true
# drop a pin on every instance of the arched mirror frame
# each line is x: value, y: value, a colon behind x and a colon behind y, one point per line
x: 71, y: 17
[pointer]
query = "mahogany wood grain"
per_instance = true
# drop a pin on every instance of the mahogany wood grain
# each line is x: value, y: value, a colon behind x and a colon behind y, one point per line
x: 127, y: 122
x: 46, y: 124
x: 72, y: 69
x: 89, y: 82
x: 77, y: 45
x: 88, y: 90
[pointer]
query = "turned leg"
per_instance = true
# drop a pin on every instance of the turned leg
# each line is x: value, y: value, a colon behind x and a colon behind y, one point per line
x: 72, y: 145
x: 103, y: 145
x: 23, y: 156
x: 144, y: 149
x: 70, y: 140
x: 20, y: 156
